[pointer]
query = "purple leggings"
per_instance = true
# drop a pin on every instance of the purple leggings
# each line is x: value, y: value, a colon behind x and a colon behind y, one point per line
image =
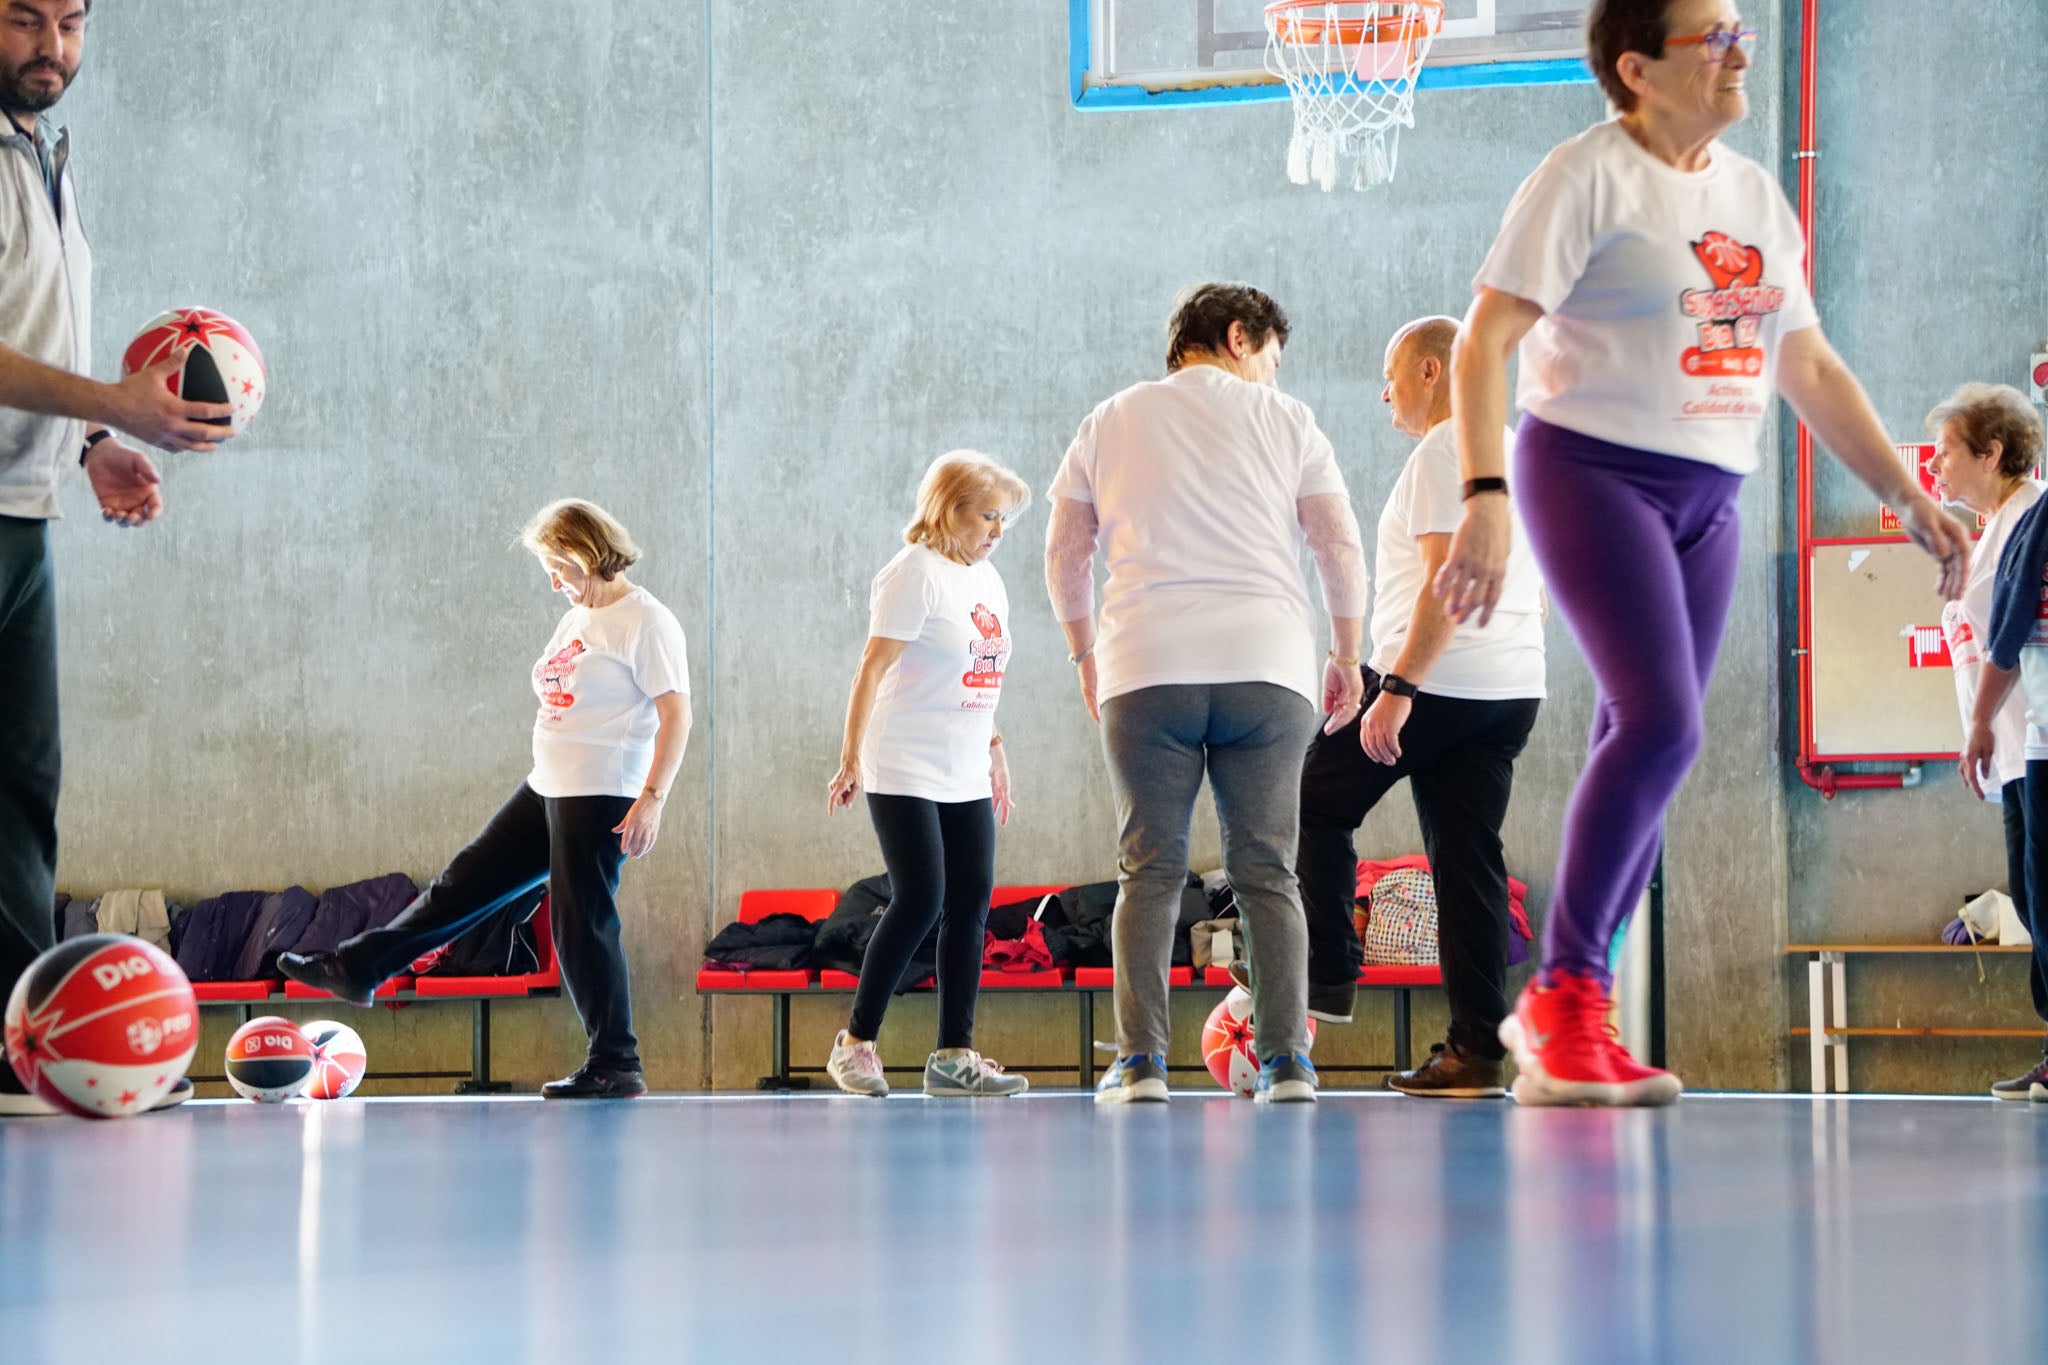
x: 1639, y: 552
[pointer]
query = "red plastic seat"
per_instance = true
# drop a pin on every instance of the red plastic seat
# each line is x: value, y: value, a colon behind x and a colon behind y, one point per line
x: 294, y: 990
x: 1103, y: 978
x: 756, y: 906
x: 231, y: 992
x: 995, y: 981
x: 1371, y: 975
x: 832, y: 979
x: 548, y: 976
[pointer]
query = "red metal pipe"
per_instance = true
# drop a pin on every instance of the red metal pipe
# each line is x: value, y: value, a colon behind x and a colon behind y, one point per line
x: 1824, y: 780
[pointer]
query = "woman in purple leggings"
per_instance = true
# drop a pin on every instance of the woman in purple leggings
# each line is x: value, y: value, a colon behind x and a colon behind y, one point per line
x: 1653, y: 280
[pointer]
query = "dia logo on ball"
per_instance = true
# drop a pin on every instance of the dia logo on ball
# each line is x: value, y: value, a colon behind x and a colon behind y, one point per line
x: 102, y: 1025
x: 1228, y: 1045
x: 339, y: 1060
x: 269, y: 1060
x: 221, y: 366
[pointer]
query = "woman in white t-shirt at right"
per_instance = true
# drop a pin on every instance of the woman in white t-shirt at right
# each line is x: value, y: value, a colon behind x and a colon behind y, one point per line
x: 1993, y: 479
x: 1653, y: 280
x: 921, y: 738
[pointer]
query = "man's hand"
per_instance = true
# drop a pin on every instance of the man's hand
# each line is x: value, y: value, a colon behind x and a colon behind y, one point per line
x: 126, y: 482
x: 1470, y: 580
x: 1942, y: 536
x: 641, y: 827
x: 1379, y: 734
x: 144, y: 406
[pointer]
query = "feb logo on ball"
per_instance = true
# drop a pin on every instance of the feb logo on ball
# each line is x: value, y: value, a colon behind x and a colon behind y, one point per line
x: 222, y: 364
x: 102, y: 1026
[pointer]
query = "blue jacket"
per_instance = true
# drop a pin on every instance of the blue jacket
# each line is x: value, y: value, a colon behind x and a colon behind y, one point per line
x: 2017, y: 587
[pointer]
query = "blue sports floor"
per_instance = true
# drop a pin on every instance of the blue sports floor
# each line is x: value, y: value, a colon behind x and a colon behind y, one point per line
x: 813, y: 1229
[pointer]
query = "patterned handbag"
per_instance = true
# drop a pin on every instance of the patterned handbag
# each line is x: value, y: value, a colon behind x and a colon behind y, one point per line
x: 1400, y: 928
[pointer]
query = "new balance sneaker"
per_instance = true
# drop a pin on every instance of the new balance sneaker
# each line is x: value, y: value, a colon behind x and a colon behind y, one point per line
x: 961, y: 1072
x: 2032, y: 1086
x: 856, y: 1068
x: 595, y: 1081
x: 1451, y: 1074
x: 1330, y: 1004
x: 1567, y: 1053
x: 1286, y: 1078
x: 324, y: 972
x: 1136, y: 1078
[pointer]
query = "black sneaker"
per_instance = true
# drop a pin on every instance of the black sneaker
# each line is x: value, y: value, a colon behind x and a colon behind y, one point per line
x: 175, y: 1096
x: 323, y: 972
x: 593, y: 1081
x: 2033, y: 1085
x: 1330, y: 1004
x: 1452, y: 1074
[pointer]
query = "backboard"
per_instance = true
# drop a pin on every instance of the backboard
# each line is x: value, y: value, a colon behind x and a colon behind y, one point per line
x: 1150, y: 54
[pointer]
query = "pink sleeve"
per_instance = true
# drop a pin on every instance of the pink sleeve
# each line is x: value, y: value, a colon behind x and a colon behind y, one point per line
x: 1070, y: 558
x: 1332, y: 531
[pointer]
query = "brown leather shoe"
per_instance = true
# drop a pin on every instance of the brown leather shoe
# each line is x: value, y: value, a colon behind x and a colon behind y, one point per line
x: 1450, y: 1074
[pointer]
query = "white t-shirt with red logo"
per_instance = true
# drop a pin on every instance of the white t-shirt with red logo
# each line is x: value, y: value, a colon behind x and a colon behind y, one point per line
x: 1665, y: 295
x: 935, y: 712
x: 1196, y: 480
x: 597, y: 682
x: 1963, y: 623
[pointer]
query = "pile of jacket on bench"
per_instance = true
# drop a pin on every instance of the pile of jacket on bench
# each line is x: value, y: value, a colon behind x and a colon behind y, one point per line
x: 238, y: 936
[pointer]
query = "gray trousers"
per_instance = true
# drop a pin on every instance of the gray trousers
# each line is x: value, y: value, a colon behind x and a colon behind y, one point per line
x: 1250, y: 739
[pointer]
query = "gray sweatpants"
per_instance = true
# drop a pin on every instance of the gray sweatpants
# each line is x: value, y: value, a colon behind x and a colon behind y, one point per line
x: 1250, y: 738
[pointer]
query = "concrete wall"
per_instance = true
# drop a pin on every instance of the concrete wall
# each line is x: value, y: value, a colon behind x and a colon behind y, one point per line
x: 499, y: 253
x: 1930, y: 254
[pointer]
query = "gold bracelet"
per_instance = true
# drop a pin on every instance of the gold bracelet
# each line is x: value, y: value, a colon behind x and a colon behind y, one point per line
x: 1343, y: 663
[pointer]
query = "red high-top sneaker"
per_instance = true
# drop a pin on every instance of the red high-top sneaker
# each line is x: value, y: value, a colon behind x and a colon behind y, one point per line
x: 1565, y: 1052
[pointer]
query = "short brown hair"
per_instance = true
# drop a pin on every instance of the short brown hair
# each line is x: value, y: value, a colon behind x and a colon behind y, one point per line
x: 584, y: 532
x: 1617, y: 26
x: 1202, y: 316
x: 955, y: 479
x: 1993, y: 412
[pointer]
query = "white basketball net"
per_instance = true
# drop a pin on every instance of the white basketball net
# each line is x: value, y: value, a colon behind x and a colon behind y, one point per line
x: 1350, y: 66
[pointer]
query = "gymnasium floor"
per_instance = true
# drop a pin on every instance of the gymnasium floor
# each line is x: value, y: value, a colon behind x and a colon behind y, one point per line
x: 826, y: 1229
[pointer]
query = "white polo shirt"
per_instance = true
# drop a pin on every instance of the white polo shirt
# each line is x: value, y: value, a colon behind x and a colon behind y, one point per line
x: 1963, y: 624
x: 1502, y: 660
x: 1194, y: 479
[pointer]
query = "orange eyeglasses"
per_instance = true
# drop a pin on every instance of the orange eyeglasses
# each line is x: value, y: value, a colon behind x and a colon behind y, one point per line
x: 1718, y: 42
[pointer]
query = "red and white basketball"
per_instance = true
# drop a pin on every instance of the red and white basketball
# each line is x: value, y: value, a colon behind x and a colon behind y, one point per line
x: 338, y: 1059
x: 269, y: 1060
x: 1228, y: 1046
x: 222, y: 366
x: 102, y: 1025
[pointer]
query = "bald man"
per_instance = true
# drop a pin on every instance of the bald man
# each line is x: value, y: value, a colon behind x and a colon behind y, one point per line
x: 1449, y: 707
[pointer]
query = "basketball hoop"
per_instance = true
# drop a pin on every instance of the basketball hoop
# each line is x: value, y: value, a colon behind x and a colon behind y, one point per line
x: 1350, y: 68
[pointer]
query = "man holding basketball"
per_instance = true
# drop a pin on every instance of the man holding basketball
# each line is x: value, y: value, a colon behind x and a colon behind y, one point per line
x: 52, y: 414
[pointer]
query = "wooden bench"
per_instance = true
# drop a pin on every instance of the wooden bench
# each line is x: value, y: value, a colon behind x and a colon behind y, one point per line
x: 1828, y: 1030
x: 1082, y: 983
x: 405, y: 990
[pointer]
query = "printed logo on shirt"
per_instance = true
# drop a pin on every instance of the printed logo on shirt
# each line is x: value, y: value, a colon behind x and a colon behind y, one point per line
x: 1730, y: 317
x: 986, y: 655
x: 1960, y: 636
x: 554, y: 675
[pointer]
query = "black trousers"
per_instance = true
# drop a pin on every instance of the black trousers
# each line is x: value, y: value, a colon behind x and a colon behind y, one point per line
x: 566, y: 842
x: 941, y: 858
x: 30, y: 766
x: 1459, y: 759
x: 2025, y: 807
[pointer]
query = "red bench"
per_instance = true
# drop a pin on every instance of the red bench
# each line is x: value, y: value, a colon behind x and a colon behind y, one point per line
x: 401, y: 991
x: 1081, y: 982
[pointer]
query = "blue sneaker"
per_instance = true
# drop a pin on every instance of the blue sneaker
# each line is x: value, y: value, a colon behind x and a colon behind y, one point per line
x: 1142, y: 1077
x: 1286, y: 1078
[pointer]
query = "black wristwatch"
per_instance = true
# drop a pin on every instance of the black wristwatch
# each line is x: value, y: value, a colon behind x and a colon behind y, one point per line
x: 91, y: 441
x: 1394, y: 685
x: 1474, y: 487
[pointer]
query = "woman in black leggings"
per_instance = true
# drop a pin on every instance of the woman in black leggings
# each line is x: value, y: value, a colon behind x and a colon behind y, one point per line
x: 921, y: 738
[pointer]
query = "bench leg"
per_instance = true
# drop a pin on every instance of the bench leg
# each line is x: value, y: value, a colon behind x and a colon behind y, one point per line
x: 1838, y: 969
x: 1817, y: 1025
x: 1401, y: 1060
x: 480, y: 1082
x: 1087, y: 1067
x: 780, y: 1079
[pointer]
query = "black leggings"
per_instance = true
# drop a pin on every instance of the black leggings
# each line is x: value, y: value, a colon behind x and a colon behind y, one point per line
x: 942, y: 860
